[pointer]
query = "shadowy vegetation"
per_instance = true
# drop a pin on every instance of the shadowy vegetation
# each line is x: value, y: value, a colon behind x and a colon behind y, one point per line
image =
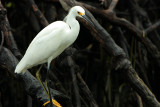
x: 100, y: 69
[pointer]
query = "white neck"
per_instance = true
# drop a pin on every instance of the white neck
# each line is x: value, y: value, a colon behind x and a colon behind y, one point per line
x: 72, y: 22
x: 74, y: 28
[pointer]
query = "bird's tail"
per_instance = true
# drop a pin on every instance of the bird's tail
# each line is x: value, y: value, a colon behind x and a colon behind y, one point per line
x: 20, y: 68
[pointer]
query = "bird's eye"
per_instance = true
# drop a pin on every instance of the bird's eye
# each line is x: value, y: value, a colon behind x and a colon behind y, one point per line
x: 80, y: 13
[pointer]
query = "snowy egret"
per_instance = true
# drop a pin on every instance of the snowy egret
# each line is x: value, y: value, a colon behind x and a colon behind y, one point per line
x: 52, y: 41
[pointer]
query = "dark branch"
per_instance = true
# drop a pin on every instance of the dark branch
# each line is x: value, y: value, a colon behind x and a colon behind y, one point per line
x: 6, y: 30
x: 74, y: 80
x: 110, y: 16
x: 86, y: 91
x: 2, y: 41
x: 31, y: 84
x: 38, y: 13
x: 120, y: 57
x: 152, y: 27
x: 8, y: 60
x: 113, y: 5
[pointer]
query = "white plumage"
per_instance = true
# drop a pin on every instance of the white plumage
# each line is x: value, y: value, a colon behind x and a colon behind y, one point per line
x: 51, y: 41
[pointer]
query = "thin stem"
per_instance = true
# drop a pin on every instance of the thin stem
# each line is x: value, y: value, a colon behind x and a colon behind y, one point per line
x: 152, y: 27
x: 113, y: 5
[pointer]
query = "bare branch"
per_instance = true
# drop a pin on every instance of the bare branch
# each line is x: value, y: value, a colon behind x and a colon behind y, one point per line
x: 74, y: 80
x: 38, y: 13
x: 113, y: 5
x: 120, y: 57
x: 6, y: 30
x: 152, y: 27
x: 31, y: 84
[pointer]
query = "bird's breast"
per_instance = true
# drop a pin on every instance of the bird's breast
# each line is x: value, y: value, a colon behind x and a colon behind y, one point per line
x: 70, y: 37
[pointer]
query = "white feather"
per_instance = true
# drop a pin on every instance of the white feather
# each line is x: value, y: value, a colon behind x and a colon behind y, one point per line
x: 51, y: 41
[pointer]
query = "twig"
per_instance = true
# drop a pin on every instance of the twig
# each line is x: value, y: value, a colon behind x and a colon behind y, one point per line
x: 51, y: 13
x: 137, y: 12
x: 152, y: 27
x: 136, y: 8
x: 113, y: 5
x: 29, y: 14
x: 38, y: 13
x: 139, y: 100
x: 5, y: 28
x: 86, y: 91
x: 74, y: 80
x: 82, y: 85
x: 123, y: 41
x: 2, y: 41
x: 104, y: 3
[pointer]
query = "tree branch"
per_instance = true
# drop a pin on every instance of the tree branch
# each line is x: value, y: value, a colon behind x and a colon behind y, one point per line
x: 110, y: 16
x: 74, y: 80
x: 152, y: 27
x: 113, y: 5
x: 120, y: 57
x: 38, y: 13
x: 6, y: 30
x: 8, y: 60
x: 31, y: 84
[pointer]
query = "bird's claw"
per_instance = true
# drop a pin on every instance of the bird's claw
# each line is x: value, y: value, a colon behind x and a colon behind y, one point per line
x: 54, y: 102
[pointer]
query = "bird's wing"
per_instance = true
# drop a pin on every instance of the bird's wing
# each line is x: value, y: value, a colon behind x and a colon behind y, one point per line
x: 60, y: 25
x: 45, y: 44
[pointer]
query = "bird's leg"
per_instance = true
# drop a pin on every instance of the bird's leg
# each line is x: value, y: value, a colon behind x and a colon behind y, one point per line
x: 52, y: 101
x: 47, y: 91
x: 47, y: 81
x: 38, y: 78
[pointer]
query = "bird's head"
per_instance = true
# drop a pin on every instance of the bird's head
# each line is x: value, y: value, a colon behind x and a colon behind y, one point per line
x: 79, y: 11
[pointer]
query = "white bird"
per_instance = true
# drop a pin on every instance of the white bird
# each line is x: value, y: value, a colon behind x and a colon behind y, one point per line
x: 52, y: 41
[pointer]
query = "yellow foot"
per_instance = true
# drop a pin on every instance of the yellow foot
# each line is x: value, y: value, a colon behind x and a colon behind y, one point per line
x: 54, y: 102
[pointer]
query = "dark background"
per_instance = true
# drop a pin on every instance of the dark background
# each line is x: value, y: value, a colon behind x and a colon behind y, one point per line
x: 109, y: 87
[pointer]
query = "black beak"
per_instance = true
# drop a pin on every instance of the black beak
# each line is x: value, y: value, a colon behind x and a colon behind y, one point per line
x: 87, y: 19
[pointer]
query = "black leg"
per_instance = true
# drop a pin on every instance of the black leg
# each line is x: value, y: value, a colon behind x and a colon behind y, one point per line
x: 48, y: 89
